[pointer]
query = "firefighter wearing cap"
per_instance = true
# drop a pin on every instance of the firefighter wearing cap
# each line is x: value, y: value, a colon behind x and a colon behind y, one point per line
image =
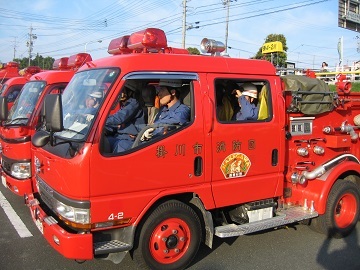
x: 126, y: 121
x: 172, y: 111
x: 94, y: 99
x: 247, y: 99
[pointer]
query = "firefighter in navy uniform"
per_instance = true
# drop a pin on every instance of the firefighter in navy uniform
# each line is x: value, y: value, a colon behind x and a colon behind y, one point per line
x: 126, y: 121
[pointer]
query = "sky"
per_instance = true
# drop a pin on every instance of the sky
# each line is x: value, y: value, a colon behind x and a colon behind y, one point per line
x: 66, y: 27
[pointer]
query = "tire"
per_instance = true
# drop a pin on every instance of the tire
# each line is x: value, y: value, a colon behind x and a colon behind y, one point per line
x: 342, y: 210
x: 169, y: 238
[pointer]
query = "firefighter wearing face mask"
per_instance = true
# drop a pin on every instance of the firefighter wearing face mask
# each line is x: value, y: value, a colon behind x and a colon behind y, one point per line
x: 126, y: 121
x: 172, y: 111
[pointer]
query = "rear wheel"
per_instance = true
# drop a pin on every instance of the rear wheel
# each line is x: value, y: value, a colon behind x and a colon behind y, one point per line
x: 169, y: 238
x: 342, y: 210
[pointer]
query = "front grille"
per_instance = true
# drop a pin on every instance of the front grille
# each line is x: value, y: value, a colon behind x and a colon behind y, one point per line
x: 46, y: 193
x: 6, y: 165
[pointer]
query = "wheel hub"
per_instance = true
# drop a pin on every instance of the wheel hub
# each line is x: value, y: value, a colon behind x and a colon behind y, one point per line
x: 172, y: 242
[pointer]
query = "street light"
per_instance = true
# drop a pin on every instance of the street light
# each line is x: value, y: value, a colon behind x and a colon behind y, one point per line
x: 99, y: 41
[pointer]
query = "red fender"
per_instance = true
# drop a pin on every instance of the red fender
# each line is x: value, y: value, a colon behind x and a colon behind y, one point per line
x: 318, y: 190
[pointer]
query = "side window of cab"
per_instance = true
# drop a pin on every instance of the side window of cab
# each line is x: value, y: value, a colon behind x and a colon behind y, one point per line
x: 145, y: 111
x: 242, y: 100
x: 14, y: 92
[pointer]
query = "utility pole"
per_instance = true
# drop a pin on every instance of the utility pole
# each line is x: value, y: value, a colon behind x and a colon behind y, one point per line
x: 14, y: 47
x: 184, y: 24
x: 227, y: 4
x: 30, y: 43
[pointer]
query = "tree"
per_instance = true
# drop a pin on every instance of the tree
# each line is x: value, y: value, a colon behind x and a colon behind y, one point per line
x: 279, y: 58
x: 193, y: 50
x: 42, y: 62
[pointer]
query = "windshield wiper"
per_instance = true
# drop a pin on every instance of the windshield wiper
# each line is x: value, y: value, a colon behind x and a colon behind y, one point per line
x: 13, y: 121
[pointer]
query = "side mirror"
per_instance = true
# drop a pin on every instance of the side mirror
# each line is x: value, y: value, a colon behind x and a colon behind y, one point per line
x: 53, y: 113
x: 3, y: 108
x: 40, y: 138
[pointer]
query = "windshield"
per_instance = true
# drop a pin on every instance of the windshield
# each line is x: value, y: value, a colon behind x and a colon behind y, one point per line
x: 25, y: 103
x: 82, y: 99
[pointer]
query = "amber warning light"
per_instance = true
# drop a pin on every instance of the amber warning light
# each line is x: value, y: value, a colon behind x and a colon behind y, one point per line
x: 29, y: 71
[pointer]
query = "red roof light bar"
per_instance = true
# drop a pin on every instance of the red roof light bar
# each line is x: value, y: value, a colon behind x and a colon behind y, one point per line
x: 61, y: 63
x: 152, y: 39
x: 77, y: 60
x: 119, y: 45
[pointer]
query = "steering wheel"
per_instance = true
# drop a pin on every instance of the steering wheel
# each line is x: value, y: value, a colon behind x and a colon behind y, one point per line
x: 154, y: 126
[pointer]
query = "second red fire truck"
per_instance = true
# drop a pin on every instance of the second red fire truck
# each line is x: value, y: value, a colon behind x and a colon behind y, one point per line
x: 12, y: 87
x: 20, y: 123
x: 8, y: 70
x: 210, y: 176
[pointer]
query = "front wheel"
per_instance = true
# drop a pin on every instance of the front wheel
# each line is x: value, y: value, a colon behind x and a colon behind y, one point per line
x: 342, y: 210
x: 169, y: 238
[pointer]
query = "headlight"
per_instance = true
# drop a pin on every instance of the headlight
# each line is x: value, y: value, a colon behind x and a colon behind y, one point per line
x: 73, y: 214
x: 21, y: 170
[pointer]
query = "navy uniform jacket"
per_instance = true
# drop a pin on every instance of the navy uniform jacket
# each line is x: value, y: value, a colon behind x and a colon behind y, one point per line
x: 248, y: 110
x: 177, y: 114
x: 130, y: 118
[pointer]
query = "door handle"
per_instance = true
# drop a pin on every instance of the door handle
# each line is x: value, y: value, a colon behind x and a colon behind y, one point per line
x: 198, y: 166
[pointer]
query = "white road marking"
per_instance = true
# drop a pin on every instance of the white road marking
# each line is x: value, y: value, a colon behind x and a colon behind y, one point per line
x: 14, y: 218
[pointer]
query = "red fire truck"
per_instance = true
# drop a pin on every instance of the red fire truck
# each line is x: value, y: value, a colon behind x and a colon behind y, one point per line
x: 20, y: 123
x: 8, y: 70
x: 210, y: 176
x: 12, y: 87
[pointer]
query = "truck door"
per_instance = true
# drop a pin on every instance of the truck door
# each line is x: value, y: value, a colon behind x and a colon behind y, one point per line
x: 170, y: 162
x: 247, y: 153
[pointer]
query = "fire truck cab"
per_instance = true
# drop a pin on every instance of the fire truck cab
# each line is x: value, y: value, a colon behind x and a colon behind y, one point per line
x: 12, y: 87
x: 8, y: 70
x: 209, y: 175
x: 20, y: 123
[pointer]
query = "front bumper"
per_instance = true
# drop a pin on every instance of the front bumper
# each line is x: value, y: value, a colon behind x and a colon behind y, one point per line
x: 70, y: 245
x: 18, y: 187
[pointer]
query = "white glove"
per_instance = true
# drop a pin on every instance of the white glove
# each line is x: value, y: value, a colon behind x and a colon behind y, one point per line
x: 147, y: 134
x: 67, y: 116
x: 89, y: 117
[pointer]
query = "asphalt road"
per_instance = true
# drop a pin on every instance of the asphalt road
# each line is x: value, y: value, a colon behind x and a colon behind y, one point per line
x: 294, y: 247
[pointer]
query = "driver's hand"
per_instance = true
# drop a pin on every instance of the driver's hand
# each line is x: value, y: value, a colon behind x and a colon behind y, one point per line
x: 89, y: 117
x: 237, y: 93
x: 147, y: 134
x: 67, y: 116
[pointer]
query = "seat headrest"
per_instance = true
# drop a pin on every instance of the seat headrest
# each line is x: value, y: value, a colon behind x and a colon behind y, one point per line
x: 185, y: 95
x: 148, y: 95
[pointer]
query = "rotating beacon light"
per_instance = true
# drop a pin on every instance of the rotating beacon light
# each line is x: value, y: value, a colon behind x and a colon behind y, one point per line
x: 119, y: 45
x: 77, y: 60
x: 148, y: 40
x: 61, y: 63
